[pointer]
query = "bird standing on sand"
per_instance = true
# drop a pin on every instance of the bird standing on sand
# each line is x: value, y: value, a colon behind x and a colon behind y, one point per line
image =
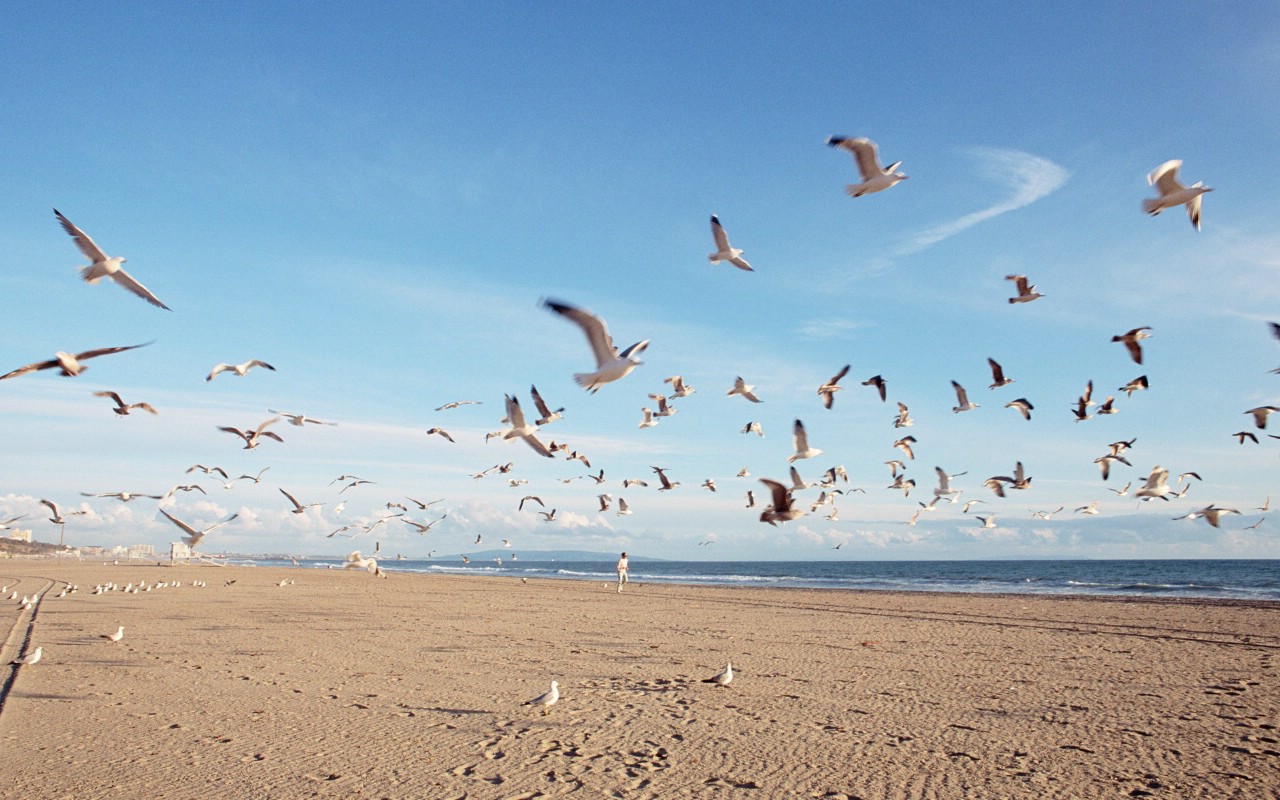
x: 865, y: 154
x: 30, y: 658
x: 115, y: 637
x: 103, y: 265
x: 722, y: 678
x: 546, y: 700
x: 611, y: 365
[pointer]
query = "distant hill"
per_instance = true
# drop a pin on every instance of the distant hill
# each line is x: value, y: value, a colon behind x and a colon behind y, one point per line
x: 19, y: 548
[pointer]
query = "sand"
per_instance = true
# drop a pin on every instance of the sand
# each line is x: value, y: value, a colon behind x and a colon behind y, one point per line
x: 343, y: 685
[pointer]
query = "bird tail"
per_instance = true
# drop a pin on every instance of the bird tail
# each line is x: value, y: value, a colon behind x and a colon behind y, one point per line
x: 1152, y: 206
x: 586, y: 380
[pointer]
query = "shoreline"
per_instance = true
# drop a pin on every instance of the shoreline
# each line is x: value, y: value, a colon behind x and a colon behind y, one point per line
x: 342, y: 684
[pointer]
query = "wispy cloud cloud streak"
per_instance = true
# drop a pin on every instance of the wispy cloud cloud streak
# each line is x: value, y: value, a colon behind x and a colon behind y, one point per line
x: 1028, y: 176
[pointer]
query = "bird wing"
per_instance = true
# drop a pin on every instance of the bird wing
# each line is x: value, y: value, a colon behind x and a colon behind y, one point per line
x: 1193, y: 210
x: 961, y: 395
x: 781, y: 497
x: 129, y: 282
x: 184, y: 526
x: 800, y: 438
x: 594, y: 327
x: 717, y: 233
x: 515, y: 415
x: 1165, y: 177
x: 539, y: 402
x: 865, y: 153
x: 87, y: 246
x: 106, y: 351
x: 256, y: 363
x: 997, y: 374
x: 292, y: 499
x: 537, y: 445
x: 836, y: 378
x: 218, y: 525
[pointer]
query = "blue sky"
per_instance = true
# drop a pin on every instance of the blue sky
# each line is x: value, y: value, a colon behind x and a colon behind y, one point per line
x: 376, y: 200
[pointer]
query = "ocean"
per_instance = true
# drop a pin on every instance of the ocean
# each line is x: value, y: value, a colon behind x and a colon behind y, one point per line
x: 1222, y: 579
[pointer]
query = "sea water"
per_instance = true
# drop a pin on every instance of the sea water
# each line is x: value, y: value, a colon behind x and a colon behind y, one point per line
x: 1226, y: 579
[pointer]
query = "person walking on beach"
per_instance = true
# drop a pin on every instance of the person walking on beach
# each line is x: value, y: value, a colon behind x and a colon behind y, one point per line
x: 622, y: 572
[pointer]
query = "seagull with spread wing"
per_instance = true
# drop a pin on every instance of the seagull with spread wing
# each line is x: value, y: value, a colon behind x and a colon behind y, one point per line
x: 611, y: 365
x: 875, y: 178
x: 105, y: 266
x: 724, y: 250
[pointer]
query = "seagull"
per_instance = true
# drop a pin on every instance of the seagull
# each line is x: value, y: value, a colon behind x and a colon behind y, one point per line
x: 1173, y: 193
x: 1026, y: 291
x: 664, y: 410
x: 30, y: 658
x: 122, y: 408
x: 423, y: 506
x: 751, y: 499
x: 357, y: 561
x: 255, y: 478
x: 545, y: 700
x: 1123, y: 491
x: 299, y: 420
x: 667, y: 485
x: 753, y: 427
x: 1137, y: 384
x: 361, y: 482
x: 1088, y: 510
x: 207, y: 470
x: 521, y: 429
x: 532, y: 497
x: 611, y: 365
x: 782, y: 508
x: 628, y: 482
x: 1081, y: 410
x: 709, y: 484
x: 798, y: 483
x: 878, y: 382
x: 725, y: 251
x: 997, y: 375
x: 547, y: 516
x: 103, y: 265
x: 723, y: 678
x: 648, y: 421
x: 123, y: 497
x: 420, y: 527
x: 67, y: 364
x: 968, y: 504
x: 901, y: 481
x: 987, y: 522
x: 743, y: 388
x: 874, y: 177
x: 605, y: 501
x: 743, y: 473
x: 903, y: 420
x: 251, y: 437
x: 801, y: 440
x: 1211, y: 513
x: 1022, y: 405
x: 678, y: 387
x: 458, y: 404
x: 239, y: 369
x: 194, y: 536
x: 623, y: 508
x: 115, y: 637
x: 1046, y: 515
x: 60, y: 519
x: 547, y: 414
x: 944, y: 483
x: 1157, y: 485
x: 1104, y: 464
x: 189, y: 487
x: 1131, y: 341
x: 962, y: 398
x: 298, y: 508
x: 904, y: 444
x: 827, y: 391
x: 1260, y: 415
x: 1108, y: 406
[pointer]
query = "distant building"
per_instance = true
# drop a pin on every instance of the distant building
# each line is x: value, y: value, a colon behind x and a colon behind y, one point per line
x: 20, y: 536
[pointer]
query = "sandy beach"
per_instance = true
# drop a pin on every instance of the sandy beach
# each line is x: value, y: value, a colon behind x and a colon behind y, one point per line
x: 342, y: 685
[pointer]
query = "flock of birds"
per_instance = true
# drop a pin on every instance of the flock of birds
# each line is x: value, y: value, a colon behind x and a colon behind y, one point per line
x: 613, y: 364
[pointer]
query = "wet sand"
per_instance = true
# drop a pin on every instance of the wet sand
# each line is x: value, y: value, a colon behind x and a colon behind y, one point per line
x: 343, y: 685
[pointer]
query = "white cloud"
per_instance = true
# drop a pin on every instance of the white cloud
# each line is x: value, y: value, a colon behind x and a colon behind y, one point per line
x: 1028, y: 177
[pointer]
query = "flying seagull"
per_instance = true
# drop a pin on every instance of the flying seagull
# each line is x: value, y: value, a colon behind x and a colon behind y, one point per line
x: 458, y: 404
x: 801, y: 440
x: 782, y: 508
x: 1131, y: 341
x: 962, y: 399
x: 1026, y: 291
x: 103, y: 265
x: 251, y: 437
x: 827, y: 391
x: 299, y: 420
x: 1173, y: 193
x: 194, y: 536
x: 67, y: 364
x: 239, y: 369
x: 123, y: 408
x: 724, y: 250
x: 521, y: 429
x: 298, y: 508
x: 678, y: 386
x: 874, y: 177
x: 548, y: 415
x: 743, y: 388
x: 611, y: 365
x: 997, y: 375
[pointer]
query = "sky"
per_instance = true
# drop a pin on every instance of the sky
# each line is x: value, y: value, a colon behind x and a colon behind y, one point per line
x: 376, y: 200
